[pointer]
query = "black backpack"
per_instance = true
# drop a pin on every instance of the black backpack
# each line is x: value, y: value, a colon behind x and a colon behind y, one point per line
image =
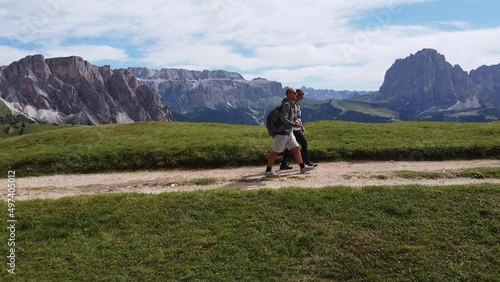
x: 273, y: 122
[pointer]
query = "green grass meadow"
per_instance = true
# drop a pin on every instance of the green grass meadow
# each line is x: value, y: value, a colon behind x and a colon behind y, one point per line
x: 411, y: 233
x: 365, y: 108
x: 170, y: 145
x: 7, y: 131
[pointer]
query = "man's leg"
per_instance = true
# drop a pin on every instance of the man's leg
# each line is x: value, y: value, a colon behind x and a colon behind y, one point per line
x: 297, y: 155
x: 270, y: 162
x: 271, y: 159
x: 279, y: 145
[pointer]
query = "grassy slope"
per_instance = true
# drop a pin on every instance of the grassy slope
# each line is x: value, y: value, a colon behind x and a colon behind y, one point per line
x: 4, y: 110
x: 158, y: 145
x: 350, y: 110
x: 409, y: 233
x: 28, y: 129
x: 366, y: 108
x: 376, y: 234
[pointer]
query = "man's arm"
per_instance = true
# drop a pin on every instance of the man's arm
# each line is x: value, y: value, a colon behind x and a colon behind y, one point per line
x: 286, y: 118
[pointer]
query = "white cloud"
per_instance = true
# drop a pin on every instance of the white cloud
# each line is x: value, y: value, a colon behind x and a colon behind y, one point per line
x: 370, y: 62
x: 326, y: 77
x: 90, y: 53
x: 314, y: 43
x: 9, y: 55
x: 457, y: 24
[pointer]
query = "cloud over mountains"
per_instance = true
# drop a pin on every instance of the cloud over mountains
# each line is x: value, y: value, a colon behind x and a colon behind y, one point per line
x: 323, y: 44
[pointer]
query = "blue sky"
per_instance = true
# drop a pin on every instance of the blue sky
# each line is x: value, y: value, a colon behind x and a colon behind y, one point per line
x: 341, y: 45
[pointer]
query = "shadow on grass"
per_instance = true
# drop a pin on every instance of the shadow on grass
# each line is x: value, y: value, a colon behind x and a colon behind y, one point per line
x: 258, y: 180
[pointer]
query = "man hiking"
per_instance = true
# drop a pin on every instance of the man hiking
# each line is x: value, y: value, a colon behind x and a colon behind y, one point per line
x: 285, y: 137
x: 299, y: 135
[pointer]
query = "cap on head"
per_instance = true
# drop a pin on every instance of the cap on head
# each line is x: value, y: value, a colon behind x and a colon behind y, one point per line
x: 300, y: 92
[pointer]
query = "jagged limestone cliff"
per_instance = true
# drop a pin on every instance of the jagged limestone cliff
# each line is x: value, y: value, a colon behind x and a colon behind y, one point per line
x: 71, y: 90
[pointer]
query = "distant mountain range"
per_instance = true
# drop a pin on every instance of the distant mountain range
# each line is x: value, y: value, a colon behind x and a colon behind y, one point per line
x: 212, y: 96
x: 220, y: 96
x: 329, y: 94
x: 423, y: 86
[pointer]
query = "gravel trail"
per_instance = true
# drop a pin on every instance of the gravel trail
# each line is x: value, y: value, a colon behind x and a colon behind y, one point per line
x: 352, y: 174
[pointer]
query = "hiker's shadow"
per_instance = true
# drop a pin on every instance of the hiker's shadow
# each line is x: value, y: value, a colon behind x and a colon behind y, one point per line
x: 256, y: 180
x: 250, y: 181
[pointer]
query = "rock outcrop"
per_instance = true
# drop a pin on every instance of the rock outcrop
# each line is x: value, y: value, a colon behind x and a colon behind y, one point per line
x: 488, y: 80
x: 426, y: 82
x: 424, y: 86
x: 213, y: 96
x: 71, y: 90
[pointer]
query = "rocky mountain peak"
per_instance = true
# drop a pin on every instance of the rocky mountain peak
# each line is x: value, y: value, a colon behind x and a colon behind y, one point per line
x: 426, y: 81
x: 71, y: 90
x: 69, y: 68
x: 30, y: 65
x: 431, y: 53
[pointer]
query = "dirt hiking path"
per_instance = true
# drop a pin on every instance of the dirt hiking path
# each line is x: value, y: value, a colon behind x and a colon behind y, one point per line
x: 353, y: 174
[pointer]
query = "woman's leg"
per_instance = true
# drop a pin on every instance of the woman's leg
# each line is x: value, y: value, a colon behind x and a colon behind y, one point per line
x: 301, y: 139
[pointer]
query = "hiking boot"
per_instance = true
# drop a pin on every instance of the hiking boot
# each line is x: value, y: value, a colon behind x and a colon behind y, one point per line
x: 271, y: 173
x: 312, y: 164
x: 285, y: 166
x: 306, y: 169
